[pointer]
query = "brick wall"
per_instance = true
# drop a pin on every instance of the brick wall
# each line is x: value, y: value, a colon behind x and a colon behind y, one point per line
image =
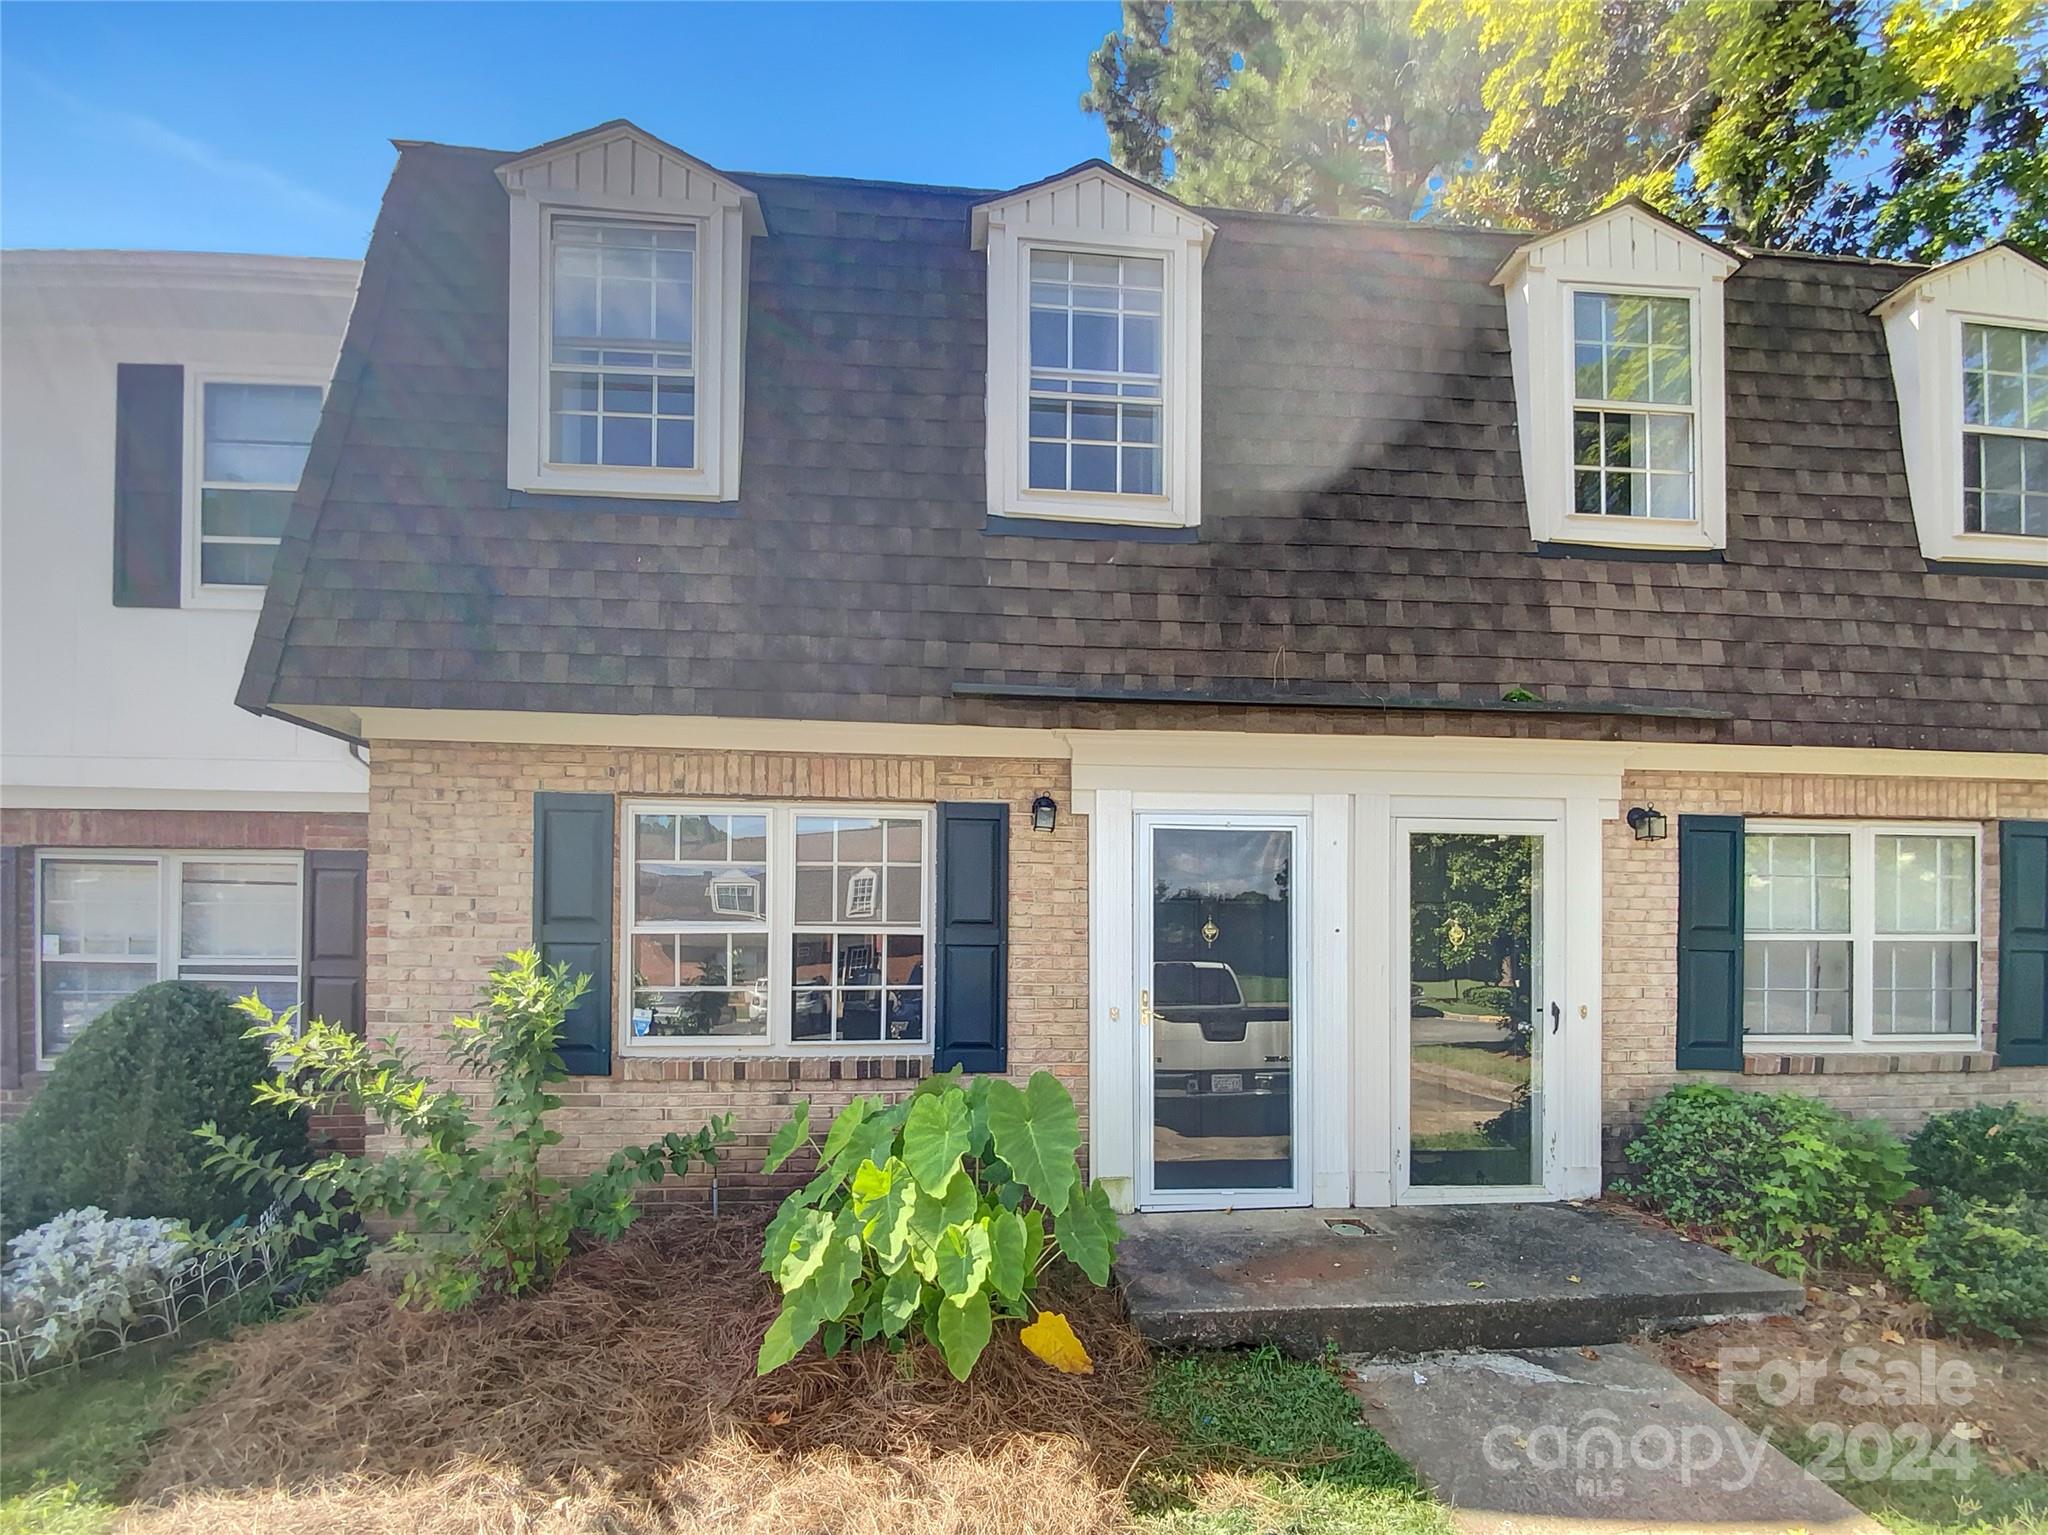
x: 1641, y: 936
x: 451, y: 872
x: 23, y: 831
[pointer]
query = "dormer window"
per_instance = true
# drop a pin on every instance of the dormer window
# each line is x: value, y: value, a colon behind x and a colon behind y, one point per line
x: 627, y: 319
x: 2005, y: 430
x: 1616, y: 329
x: 622, y: 378
x: 1632, y: 410
x: 1969, y: 353
x: 1094, y: 356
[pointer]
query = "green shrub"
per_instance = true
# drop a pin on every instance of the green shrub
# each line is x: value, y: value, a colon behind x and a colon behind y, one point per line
x: 1786, y: 1180
x: 113, y: 1126
x: 472, y: 1197
x: 1987, y: 1152
x: 1980, y: 1264
x: 934, y: 1210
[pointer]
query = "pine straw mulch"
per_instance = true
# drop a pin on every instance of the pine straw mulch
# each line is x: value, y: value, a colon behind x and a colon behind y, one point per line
x: 623, y: 1401
x: 2003, y: 1408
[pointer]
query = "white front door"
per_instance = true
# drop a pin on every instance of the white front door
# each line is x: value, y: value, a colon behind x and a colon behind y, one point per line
x: 1477, y: 1009
x: 1222, y: 948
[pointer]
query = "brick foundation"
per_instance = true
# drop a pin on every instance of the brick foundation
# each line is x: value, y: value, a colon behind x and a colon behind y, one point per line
x: 451, y: 888
x: 1641, y: 935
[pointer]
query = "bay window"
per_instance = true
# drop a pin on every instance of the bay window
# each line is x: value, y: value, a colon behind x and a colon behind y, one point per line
x: 1860, y: 935
x: 776, y: 926
x: 109, y: 924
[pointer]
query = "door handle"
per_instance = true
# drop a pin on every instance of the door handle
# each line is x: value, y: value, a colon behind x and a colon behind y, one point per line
x: 1145, y: 1009
x: 1556, y: 1017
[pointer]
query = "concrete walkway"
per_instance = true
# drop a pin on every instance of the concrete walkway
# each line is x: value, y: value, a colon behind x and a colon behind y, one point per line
x: 1423, y: 1278
x: 1588, y: 1441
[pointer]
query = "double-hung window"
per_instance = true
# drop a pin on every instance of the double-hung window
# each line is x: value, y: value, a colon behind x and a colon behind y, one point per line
x: 253, y: 443
x: 1633, y: 395
x: 2005, y: 430
x: 1860, y: 934
x: 622, y: 366
x: 108, y: 924
x: 626, y: 326
x: 776, y: 926
x: 1096, y: 421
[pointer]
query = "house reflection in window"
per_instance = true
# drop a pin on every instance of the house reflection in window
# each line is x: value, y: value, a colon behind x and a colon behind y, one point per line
x: 735, y: 893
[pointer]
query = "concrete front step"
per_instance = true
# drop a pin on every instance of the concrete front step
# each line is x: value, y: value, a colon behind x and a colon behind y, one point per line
x: 1426, y: 1278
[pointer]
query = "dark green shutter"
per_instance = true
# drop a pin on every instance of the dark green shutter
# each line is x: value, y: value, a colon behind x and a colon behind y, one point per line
x: 572, y: 916
x: 2023, y: 943
x: 1710, y: 877
x: 149, y: 485
x: 970, y: 981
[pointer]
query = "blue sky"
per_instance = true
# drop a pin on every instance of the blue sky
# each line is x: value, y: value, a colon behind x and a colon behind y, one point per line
x: 266, y: 127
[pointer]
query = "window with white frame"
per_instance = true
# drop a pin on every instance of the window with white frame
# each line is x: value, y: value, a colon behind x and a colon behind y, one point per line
x: 1632, y: 413
x: 2005, y: 430
x: 1616, y: 328
x: 108, y: 924
x: 1094, y: 350
x: 1860, y: 934
x: 253, y: 443
x: 622, y: 368
x: 1097, y: 373
x: 1968, y: 346
x: 627, y: 324
x: 776, y: 926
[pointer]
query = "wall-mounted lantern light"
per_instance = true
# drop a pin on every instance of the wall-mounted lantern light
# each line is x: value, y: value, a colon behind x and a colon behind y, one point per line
x: 1044, y: 813
x: 1648, y: 823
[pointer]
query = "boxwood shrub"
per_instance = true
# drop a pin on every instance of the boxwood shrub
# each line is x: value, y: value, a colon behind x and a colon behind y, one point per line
x: 113, y: 1126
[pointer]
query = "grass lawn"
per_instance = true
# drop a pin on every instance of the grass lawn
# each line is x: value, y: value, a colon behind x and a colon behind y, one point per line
x: 1480, y: 1060
x: 1271, y: 1444
x: 67, y: 1445
x: 1448, y: 997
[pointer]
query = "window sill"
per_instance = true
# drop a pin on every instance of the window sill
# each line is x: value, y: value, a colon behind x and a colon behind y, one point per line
x: 1986, y: 549
x: 226, y: 599
x: 1761, y: 1059
x: 777, y: 1065
x: 1630, y: 533
x: 598, y: 480
x: 1067, y: 506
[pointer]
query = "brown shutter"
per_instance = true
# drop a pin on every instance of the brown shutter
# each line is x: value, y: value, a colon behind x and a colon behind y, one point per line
x: 337, y: 951
x: 149, y: 485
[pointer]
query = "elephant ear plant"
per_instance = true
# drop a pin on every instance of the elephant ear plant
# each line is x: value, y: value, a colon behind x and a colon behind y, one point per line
x: 941, y: 1210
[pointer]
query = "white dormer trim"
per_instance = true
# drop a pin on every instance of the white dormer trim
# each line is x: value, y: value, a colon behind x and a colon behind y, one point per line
x: 1923, y: 331
x: 1629, y: 249
x: 1097, y: 210
x: 622, y: 171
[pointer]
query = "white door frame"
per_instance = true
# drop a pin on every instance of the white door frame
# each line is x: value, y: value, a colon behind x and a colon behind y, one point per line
x: 1301, y: 1002
x: 1548, y: 826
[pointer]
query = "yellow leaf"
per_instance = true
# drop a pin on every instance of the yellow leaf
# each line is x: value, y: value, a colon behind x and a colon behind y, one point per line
x: 1052, y: 1339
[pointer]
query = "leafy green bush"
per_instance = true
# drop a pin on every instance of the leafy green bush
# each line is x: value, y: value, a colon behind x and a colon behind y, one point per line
x: 1987, y: 1152
x: 934, y: 1210
x: 474, y: 1200
x: 1980, y: 1264
x: 113, y: 1127
x: 1786, y: 1180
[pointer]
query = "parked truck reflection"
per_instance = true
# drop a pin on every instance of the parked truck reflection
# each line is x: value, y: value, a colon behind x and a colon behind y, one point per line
x: 1221, y: 1064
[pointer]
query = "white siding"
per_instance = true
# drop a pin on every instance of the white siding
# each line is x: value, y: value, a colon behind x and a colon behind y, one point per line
x: 106, y: 707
